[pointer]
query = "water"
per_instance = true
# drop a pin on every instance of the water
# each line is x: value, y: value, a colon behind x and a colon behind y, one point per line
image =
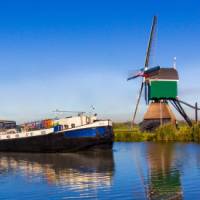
x: 130, y: 171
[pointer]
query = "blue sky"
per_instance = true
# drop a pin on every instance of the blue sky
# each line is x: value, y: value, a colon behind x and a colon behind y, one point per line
x: 73, y: 54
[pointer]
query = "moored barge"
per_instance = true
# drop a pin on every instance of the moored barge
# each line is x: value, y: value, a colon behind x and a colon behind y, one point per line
x: 67, y: 134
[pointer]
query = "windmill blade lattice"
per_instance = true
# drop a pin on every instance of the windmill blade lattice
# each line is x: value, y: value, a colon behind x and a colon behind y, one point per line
x: 138, y: 101
x: 150, y: 43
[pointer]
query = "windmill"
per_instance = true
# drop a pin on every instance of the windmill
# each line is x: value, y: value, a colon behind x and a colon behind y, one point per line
x: 160, y: 87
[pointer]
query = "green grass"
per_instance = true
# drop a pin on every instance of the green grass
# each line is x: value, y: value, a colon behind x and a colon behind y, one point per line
x: 124, y: 133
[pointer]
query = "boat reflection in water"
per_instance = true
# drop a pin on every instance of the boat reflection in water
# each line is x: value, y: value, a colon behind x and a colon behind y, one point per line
x: 164, y: 177
x: 76, y: 170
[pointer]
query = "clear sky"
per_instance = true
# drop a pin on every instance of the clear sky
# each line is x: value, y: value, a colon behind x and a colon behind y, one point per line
x: 72, y: 54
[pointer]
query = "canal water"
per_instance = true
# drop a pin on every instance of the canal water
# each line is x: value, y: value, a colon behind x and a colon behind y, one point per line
x: 130, y: 171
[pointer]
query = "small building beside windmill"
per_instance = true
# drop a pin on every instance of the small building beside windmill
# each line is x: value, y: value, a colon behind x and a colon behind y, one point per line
x: 162, y: 86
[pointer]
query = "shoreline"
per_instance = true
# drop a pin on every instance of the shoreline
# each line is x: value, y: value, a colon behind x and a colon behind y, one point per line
x: 167, y: 133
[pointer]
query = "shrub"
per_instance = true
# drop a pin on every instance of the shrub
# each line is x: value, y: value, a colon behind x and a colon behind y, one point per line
x: 166, y: 132
x: 123, y: 132
x: 196, y: 133
x: 184, y: 133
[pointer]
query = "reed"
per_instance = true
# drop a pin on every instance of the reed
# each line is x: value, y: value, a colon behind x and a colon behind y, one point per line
x: 124, y: 133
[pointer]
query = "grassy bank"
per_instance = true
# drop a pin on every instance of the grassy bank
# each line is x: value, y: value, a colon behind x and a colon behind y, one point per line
x: 124, y: 133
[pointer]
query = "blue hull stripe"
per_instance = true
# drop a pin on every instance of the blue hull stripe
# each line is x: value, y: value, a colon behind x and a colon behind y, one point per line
x: 87, y: 132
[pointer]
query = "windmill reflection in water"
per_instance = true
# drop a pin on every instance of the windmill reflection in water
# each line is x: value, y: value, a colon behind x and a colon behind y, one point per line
x: 164, y: 177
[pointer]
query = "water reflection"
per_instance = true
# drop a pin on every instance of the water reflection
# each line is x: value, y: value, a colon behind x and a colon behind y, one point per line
x: 164, y: 177
x: 131, y: 171
x: 78, y: 171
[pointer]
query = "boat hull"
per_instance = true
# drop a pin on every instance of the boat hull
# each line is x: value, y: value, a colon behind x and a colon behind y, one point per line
x: 63, y: 141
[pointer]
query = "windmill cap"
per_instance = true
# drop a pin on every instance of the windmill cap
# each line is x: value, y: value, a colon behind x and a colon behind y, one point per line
x: 164, y: 73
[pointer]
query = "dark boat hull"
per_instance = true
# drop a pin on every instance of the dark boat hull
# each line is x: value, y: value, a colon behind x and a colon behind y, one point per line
x: 65, y: 141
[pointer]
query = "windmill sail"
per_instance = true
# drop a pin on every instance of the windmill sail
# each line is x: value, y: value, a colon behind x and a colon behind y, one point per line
x: 138, y: 101
x: 148, y: 55
x: 135, y: 75
x: 142, y: 72
x: 150, y: 44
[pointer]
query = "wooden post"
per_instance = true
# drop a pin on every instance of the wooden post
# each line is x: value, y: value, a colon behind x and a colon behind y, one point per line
x: 196, y: 112
x: 161, y: 114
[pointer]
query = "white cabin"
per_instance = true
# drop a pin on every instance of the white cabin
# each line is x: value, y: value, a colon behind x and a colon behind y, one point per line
x: 75, y: 121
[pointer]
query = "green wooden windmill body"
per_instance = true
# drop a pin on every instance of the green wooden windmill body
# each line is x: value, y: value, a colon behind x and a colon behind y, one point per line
x: 163, y: 84
x: 163, y: 90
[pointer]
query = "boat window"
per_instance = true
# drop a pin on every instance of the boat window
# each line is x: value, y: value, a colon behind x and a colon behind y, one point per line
x: 66, y: 126
x: 73, y: 125
x: 1, y: 125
